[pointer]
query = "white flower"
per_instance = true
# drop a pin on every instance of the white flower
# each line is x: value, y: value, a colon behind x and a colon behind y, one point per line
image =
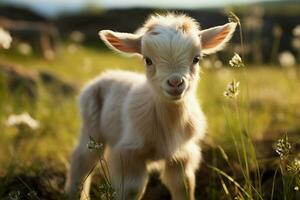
x: 24, y: 48
x: 236, y: 61
x: 286, y: 59
x: 296, y: 188
x: 5, y: 38
x: 296, y: 31
x: 22, y: 119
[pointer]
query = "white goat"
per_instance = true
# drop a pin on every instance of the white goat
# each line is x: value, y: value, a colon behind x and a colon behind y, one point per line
x: 153, y: 120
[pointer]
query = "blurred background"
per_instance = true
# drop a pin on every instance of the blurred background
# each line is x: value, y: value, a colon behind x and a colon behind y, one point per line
x: 50, y: 48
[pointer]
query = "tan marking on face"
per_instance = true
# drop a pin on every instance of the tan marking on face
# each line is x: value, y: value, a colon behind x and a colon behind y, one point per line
x: 183, y: 22
x: 186, y: 26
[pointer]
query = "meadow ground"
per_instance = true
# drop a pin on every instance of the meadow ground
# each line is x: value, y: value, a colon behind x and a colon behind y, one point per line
x: 241, y: 133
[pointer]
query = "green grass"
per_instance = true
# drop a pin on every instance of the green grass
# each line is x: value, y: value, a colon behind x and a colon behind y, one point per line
x: 272, y: 100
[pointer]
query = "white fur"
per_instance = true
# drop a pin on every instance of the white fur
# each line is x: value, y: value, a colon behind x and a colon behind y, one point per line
x: 142, y: 125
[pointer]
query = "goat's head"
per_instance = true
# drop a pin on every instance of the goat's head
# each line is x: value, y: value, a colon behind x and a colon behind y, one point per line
x: 171, y: 46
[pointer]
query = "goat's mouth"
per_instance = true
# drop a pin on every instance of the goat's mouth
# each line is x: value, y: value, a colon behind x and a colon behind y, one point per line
x: 174, y: 94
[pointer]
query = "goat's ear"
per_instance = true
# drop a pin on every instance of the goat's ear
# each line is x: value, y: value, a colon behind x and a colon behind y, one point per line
x: 214, y: 39
x: 121, y: 42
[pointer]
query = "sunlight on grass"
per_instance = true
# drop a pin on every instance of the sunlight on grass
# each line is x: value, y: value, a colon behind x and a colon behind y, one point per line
x: 81, y: 65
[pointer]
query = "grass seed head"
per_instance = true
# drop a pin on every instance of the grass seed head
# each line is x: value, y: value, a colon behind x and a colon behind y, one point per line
x: 93, y: 145
x: 32, y: 195
x: 236, y: 61
x: 233, y: 17
x: 14, y: 195
x: 107, y: 191
x: 283, y: 147
x: 294, y: 167
x: 232, y: 90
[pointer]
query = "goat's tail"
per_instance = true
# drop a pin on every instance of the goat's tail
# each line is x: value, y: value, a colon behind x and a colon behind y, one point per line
x: 90, y: 104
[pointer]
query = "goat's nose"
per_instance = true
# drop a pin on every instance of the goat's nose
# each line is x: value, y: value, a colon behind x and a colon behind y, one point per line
x: 175, y: 81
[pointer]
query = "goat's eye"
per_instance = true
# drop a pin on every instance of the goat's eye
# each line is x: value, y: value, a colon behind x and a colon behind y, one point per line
x: 196, y: 59
x: 148, y: 61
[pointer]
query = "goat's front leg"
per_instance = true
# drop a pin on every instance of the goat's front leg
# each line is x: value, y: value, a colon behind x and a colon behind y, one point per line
x: 128, y: 174
x: 180, y: 180
x: 179, y: 174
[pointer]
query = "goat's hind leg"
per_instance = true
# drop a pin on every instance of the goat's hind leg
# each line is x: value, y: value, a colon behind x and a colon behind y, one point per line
x: 82, y: 159
x: 82, y: 164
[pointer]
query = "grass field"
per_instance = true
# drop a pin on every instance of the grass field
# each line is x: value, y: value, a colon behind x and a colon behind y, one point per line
x: 240, y: 135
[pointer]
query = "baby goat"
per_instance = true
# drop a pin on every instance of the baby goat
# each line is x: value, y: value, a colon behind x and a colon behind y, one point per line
x: 153, y: 121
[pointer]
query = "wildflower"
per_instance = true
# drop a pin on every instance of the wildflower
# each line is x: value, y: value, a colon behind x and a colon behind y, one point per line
x: 232, y: 90
x: 32, y: 195
x: 5, y: 39
x: 286, y: 59
x: 23, y: 119
x: 294, y: 166
x: 236, y: 61
x: 233, y: 18
x: 283, y: 147
x: 296, y: 188
x: 24, y: 48
x: 93, y: 145
x: 15, y: 195
x: 107, y: 191
x: 296, y: 31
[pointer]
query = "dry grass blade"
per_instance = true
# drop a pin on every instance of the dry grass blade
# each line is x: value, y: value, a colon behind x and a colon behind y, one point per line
x: 230, y: 179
